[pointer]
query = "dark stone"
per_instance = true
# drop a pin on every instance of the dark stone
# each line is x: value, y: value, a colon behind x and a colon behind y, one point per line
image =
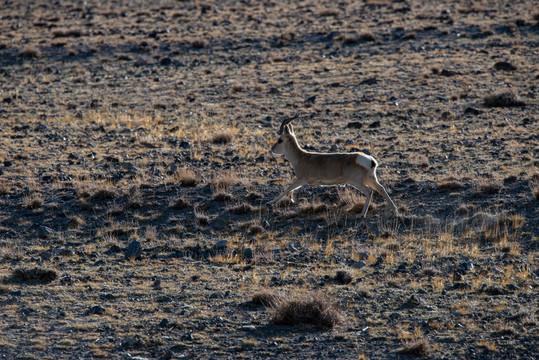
x: 448, y: 73
x: 185, y: 144
x: 107, y: 297
x: 354, y: 125
x: 504, y: 66
x: 473, y: 110
x: 133, y: 250
x: 96, y: 310
x: 248, y: 253
x: 221, y: 245
x: 113, y: 250
x: 369, y: 81
x: 375, y: 124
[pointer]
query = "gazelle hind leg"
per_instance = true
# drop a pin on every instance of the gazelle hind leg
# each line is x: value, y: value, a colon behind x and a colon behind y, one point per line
x: 365, y: 190
x: 372, y: 182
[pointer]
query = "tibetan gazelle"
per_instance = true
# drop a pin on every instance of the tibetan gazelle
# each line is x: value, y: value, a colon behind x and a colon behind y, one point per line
x: 356, y: 169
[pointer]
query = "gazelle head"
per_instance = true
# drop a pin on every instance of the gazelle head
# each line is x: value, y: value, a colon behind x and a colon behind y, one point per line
x: 286, y: 135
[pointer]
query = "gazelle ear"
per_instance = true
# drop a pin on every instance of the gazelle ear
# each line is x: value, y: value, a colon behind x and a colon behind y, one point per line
x: 290, y: 129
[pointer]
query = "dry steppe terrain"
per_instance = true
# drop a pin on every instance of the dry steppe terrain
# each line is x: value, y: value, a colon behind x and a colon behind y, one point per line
x: 135, y: 173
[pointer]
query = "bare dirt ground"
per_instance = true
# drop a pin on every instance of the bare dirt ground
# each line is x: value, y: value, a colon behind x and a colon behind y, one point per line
x: 135, y: 172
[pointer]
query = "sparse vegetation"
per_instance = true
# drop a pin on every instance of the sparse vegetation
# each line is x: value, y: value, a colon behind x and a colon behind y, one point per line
x: 307, y: 310
x: 32, y: 275
x: 135, y: 172
x: 186, y: 177
x: 503, y: 99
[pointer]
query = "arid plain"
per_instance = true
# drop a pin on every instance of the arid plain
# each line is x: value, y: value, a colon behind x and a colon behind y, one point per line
x: 135, y: 174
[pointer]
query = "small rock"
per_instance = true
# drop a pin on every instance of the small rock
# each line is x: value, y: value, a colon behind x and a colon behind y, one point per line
x: 106, y: 296
x: 248, y: 253
x: 133, y: 250
x: 96, y: 310
x: 448, y: 73
x: 354, y: 125
x: 465, y: 268
x: 185, y: 144
x: 369, y: 81
x: 363, y: 255
x: 473, y: 110
x: 359, y: 264
x: 511, y: 287
x: 375, y: 124
x: 113, y: 250
x: 504, y: 66
x: 221, y: 245
x: 311, y: 100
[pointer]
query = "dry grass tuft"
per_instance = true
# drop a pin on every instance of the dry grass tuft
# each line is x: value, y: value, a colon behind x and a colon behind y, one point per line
x: 419, y: 347
x: 33, y: 275
x: 186, y: 177
x: 4, y: 187
x: 180, y: 204
x: 242, y: 209
x: 103, y: 194
x: 267, y: 299
x: 368, y: 36
x: 30, y: 52
x: 343, y: 277
x: 503, y: 99
x: 226, y: 180
x: 316, y: 206
x: 311, y: 310
x: 67, y: 33
x: 199, y: 43
x: 201, y: 217
x: 450, y: 185
x: 535, y: 190
x: 34, y: 202
x: 222, y: 196
x: 223, y: 137
x: 329, y: 12
x: 488, y: 188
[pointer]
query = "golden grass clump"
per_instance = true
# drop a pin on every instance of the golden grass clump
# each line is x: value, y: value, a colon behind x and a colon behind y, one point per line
x: 67, y: 33
x: 223, y: 137
x: 30, y: 52
x: 309, y: 310
x: 266, y: 298
x: 186, y: 177
x: 32, y: 275
x: 419, y: 347
x: 503, y: 99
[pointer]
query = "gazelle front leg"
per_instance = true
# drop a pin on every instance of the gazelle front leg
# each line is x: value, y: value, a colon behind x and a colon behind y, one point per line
x: 296, y: 183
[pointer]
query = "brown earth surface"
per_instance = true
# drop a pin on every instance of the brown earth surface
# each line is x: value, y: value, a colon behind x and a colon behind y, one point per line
x: 135, y: 173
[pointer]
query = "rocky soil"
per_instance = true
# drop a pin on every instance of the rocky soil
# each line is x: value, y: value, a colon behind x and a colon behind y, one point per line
x: 135, y: 173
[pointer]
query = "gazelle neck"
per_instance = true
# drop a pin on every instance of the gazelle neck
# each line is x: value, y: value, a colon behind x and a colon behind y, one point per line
x: 294, y: 152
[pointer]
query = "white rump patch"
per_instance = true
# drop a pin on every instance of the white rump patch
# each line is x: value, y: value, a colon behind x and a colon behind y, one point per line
x: 365, y: 161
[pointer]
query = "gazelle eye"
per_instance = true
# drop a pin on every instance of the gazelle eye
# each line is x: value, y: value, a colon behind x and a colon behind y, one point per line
x: 279, y: 141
